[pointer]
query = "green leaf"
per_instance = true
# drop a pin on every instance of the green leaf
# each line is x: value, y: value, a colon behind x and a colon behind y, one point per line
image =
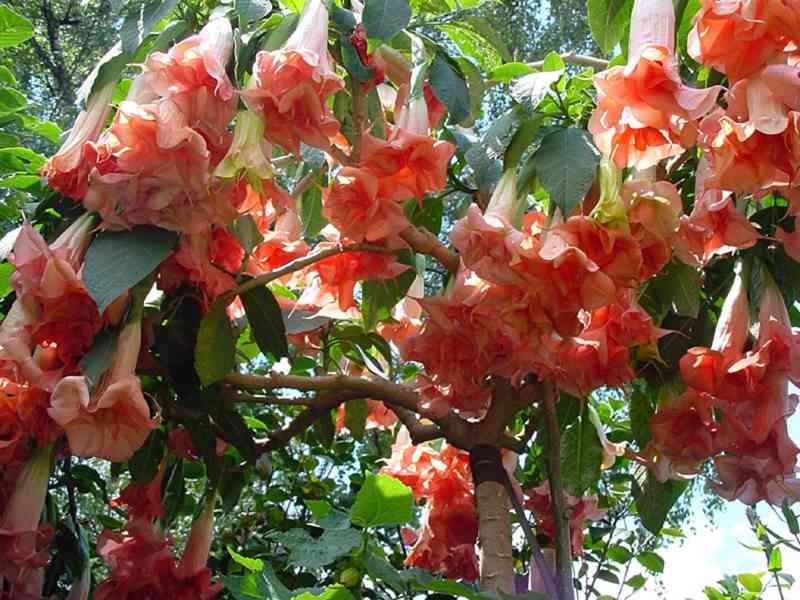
x: 655, y: 500
x: 428, y: 215
x: 311, y: 212
x: 356, y: 417
x: 86, y: 474
x: 139, y: 22
x: 7, y: 77
x: 382, y: 500
x: 566, y: 163
x: 607, y: 20
x: 651, y: 561
x: 582, y: 457
x: 478, y: 40
x: 751, y: 582
x: 251, y: 564
x: 636, y: 582
x: 450, y: 88
x: 21, y: 160
x: 775, y: 559
x: 174, y: 490
x: 118, y: 260
x: 14, y: 28
x: 248, y: 11
x: 379, y: 297
x: 266, y: 321
x: 11, y: 101
x: 6, y: 269
x: 334, y: 592
x: 98, y: 359
x: 381, y: 570
x: 791, y: 518
x: 509, y: 71
x: 685, y: 283
x: 215, y: 351
x: 383, y: 19
x: 619, y: 554
x: 234, y: 430
x: 641, y: 411
x: 352, y: 61
x: 144, y: 463
x: 246, y: 231
x: 312, y: 553
x: 262, y: 586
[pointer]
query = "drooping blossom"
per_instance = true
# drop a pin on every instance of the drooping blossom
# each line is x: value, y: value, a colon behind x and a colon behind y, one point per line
x: 645, y: 113
x: 406, y: 315
x: 281, y: 245
x: 67, y: 171
x: 446, y: 541
x: 112, y: 420
x: 54, y: 320
x: 715, y: 227
x: 208, y: 260
x: 249, y: 154
x: 611, y: 450
x: 579, y: 511
x: 410, y: 163
x: 355, y: 207
x: 290, y: 86
x: 192, y: 77
x: 738, y: 38
x: 330, y: 283
x: 24, y: 422
x: 154, y: 169
x: 23, y: 540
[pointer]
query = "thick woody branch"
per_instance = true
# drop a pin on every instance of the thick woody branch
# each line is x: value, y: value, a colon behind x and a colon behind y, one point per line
x: 571, y: 58
x: 243, y: 398
x: 302, y: 263
x: 563, y: 542
x: 425, y: 242
x: 419, y: 432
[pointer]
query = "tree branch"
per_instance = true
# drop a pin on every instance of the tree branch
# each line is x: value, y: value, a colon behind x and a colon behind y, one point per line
x: 419, y: 433
x: 302, y: 263
x: 425, y: 242
x: 563, y: 541
x: 571, y: 58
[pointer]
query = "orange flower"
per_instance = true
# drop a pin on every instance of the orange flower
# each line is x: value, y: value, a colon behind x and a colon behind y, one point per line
x: 192, y: 76
x: 67, y: 171
x: 154, y: 169
x: 354, y: 207
x: 113, y: 420
x: 290, y: 86
x: 739, y: 37
x: 281, y: 245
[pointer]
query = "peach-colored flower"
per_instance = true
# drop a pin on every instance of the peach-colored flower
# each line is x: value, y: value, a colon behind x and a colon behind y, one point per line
x: 154, y: 169
x: 248, y: 156
x: 354, y: 206
x: 22, y: 539
x: 208, y: 260
x: 113, y: 420
x: 290, y: 86
x: 645, y: 113
x: 281, y: 245
x: 67, y: 171
x: 192, y: 76
x: 53, y: 308
x: 738, y: 37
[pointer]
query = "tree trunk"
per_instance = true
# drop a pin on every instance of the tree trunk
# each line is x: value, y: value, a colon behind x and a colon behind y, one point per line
x: 494, y: 536
x: 494, y: 519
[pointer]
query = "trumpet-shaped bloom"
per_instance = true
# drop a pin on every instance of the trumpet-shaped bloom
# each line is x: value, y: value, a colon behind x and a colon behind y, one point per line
x: 281, y: 245
x: 192, y: 76
x: 67, y: 171
x: 290, y: 86
x: 354, y: 206
x: 739, y: 37
x: 154, y: 169
x: 248, y: 156
x: 113, y: 420
x: 22, y: 539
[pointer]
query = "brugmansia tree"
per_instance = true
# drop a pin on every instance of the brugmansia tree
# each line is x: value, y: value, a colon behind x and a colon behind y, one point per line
x: 276, y: 288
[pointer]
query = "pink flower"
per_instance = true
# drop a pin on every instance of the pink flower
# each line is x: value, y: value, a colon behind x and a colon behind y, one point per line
x: 154, y: 169
x: 281, y: 245
x: 195, y: 554
x: 53, y: 308
x: 67, y: 171
x: 192, y: 76
x: 738, y: 37
x: 290, y: 86
x: 113, y: 420
x: 790, y: 241
x: 354, y: 207
x: 22, y: 539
